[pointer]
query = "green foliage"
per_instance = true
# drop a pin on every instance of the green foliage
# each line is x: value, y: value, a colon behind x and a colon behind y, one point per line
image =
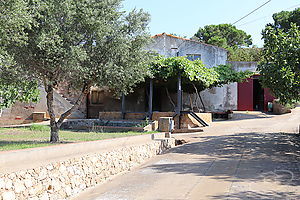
x: 228, y: 75
x: 85, y: 41
x: 245, y: 54
x: 15, y: 18
x: 38, y: 127
x: 194, y: 72
x: 223, y: 35
x: 280, y: 68
x: 24, y: 91
x: 283, y: 20
x: 191, y: 71
x: 82, y: 43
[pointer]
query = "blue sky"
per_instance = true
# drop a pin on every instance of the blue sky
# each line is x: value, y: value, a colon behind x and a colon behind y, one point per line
x: 184, y: 17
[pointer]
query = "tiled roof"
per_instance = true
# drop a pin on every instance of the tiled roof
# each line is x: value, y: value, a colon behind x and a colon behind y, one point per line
x: 181, y: 38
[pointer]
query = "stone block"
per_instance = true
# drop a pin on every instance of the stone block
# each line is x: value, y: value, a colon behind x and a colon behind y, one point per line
x: 38, y: 116
x: 19, y: 187
x: 165, y: 124
x: 8, y: 195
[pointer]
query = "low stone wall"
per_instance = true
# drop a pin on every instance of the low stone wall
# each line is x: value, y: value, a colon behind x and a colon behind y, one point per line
x: 61, y: 172
x: 118, y: 115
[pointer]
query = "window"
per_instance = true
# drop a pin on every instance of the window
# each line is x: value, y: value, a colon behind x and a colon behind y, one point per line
x: 193, y: 57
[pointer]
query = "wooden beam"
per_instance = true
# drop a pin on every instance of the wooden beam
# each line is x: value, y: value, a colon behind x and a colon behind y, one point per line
x: 123, y: 106
x: 150, y: 98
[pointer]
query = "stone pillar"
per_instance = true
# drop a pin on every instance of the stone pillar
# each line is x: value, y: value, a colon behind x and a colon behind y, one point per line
x: 165, y: 124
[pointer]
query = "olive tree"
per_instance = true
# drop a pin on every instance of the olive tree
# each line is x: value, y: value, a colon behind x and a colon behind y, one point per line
x: 83, y: 43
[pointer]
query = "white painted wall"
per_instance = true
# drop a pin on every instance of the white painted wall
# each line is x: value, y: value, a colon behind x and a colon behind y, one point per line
x: 215, y: 99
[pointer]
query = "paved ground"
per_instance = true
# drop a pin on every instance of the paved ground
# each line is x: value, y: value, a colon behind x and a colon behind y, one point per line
x: 256, y: 157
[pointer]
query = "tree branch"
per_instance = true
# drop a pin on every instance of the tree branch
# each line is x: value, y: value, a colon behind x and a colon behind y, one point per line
x: 85, y: 90
x: 170, y: 99
x: 198, y: 94
x: 50, y: 99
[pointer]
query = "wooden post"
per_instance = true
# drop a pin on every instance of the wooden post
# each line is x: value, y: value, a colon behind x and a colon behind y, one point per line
x: 179, y: 99
x: 123, y: 106
x: 150, y: 99
x: 179, y: 95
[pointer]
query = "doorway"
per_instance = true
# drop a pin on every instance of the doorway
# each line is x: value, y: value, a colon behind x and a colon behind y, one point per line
x: 156, y: 98
x: 258, y: 95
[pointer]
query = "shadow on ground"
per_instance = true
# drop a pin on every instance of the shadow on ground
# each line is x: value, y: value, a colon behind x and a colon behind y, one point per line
x: 258, y: 195
x: 242, y: 157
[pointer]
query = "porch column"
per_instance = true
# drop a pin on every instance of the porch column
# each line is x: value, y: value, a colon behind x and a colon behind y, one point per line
x: 123, y: 106
x: 179, y: 100
x: 179, y: 95
x: 150, y: 99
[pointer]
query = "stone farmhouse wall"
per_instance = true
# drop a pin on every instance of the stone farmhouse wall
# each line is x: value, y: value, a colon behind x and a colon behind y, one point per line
x: 169, y: 45
x: 60, y: 172
x: 215, y: 99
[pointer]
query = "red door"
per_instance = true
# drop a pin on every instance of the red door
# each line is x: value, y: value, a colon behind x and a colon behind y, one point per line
x: 245, y: 95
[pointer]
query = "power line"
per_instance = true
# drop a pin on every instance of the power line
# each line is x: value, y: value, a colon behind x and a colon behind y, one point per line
x: 252, y: 11
x: 266, y: 16
x: 253, y: 21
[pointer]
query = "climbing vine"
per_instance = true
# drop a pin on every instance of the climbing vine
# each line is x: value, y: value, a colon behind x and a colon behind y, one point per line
x: 195, y: 73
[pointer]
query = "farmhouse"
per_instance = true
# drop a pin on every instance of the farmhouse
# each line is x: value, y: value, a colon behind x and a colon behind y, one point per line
x: 215, y: 99
x: 101, y: 102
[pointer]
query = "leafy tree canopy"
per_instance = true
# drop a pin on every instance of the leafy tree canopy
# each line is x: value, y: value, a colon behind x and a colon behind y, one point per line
x: 14, y: 19
x: 223, y: 35
x: 245, y: 54
x: 280, y: 68
x: 83, y: 43
x: 283, y: 19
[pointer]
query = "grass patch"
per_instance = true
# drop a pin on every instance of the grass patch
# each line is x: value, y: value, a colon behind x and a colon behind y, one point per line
x: 38, y: 136
x: 38, y: 127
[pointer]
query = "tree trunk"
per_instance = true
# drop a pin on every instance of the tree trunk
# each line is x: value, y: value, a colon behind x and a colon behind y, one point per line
x: 50, y: 104
x: 54, y: 137
x: 55, y: 125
